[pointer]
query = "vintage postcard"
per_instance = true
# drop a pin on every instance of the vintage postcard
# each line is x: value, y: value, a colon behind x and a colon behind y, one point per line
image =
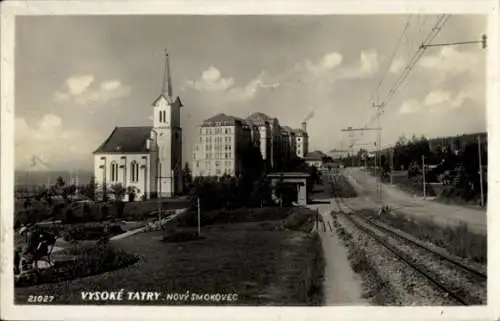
x: 322, y: 159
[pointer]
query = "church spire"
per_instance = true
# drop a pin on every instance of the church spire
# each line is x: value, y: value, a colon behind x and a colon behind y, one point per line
x: 167, y: 81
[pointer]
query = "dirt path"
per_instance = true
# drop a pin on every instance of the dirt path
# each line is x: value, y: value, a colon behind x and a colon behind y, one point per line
x: 341, y: 285
x: 400, y: 201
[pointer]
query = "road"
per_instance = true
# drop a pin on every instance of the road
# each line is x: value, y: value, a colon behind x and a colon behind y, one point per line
x: 400, y: 201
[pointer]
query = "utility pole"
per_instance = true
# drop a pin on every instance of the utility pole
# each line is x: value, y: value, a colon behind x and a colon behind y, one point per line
x: 391, y: 163
x: 199, y: 215
x: 423, y: 174
x: 480, y: 170
x: 378, y: 159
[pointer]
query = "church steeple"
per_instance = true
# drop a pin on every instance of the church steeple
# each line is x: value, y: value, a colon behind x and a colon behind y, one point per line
x: 167, y: 80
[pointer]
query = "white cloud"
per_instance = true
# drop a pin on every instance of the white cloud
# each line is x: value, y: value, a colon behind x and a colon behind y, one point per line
x: 437, y: 97
x: 211, y: 80
x: 78, y: 84
x: 369, y: 62
x: 48, y: 139
x: 111, y: 85
x: 327, y: 63
x: 410, y: 107
x: 396, y: 66
x: 78, y: 89
x: 366, y: 67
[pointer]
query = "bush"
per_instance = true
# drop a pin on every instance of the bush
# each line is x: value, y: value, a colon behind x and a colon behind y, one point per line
x: 88, y: 260
x: 92, y: 232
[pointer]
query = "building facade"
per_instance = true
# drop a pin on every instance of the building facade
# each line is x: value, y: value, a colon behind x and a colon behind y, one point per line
x: 220, y: 142
x: 145, y: 159
x: 223, y: 137
x: 302, y: 141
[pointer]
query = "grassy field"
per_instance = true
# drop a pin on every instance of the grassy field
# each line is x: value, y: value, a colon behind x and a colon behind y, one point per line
x: 265, y: 260
x: 457, y: 240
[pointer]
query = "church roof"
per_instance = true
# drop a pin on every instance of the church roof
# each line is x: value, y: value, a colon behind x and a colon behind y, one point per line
x: 126, y: 140
x: 175, y: 103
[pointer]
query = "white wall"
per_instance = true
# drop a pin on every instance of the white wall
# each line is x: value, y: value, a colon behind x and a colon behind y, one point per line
x: 143, y: 184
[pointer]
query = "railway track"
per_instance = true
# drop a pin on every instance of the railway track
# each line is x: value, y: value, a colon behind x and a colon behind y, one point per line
x: 446, y: 273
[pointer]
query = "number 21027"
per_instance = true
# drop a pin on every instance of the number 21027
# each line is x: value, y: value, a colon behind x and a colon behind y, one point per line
x: 40, y: 298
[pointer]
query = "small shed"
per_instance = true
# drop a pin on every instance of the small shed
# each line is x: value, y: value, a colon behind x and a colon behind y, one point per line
x: 297, y: 178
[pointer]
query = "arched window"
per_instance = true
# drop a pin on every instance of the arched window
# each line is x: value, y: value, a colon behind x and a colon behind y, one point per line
x: 114, y: 171
x: 160, y: 113
x: 134, y: 171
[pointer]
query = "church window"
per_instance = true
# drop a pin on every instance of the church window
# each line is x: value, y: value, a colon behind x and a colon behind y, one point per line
x: 134, y: 171
x: 114, y: 171
x: 160, y: 116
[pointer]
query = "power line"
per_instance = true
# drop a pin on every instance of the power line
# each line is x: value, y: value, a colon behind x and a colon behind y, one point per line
x: 405, y: 29
x: 416, y: 57
x: 441, y: 21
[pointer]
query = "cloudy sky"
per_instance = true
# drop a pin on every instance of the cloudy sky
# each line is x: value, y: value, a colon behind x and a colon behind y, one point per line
x: 78, y: 77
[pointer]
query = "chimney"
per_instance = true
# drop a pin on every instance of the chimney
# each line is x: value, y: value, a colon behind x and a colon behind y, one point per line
x: 304, y: 126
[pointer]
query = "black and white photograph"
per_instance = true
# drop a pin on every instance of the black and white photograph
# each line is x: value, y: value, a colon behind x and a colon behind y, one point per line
x: 167, y: 159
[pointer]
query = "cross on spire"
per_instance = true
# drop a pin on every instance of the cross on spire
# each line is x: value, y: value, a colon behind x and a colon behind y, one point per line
x: 167, y: 80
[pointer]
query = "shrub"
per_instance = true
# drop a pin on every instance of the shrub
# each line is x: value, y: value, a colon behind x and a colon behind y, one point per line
x: 104, y: 212
x: 89, y: 260
x: 92, y: 231
x: 120, y: 205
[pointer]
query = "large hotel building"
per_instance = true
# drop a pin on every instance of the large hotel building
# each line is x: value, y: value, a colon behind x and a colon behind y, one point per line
x: 223, y: 137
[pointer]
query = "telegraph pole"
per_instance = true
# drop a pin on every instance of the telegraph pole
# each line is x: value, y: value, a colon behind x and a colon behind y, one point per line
x: 423, y: 174
x: 378, y: 160
x: 391, y: 163
x: 480, y: 170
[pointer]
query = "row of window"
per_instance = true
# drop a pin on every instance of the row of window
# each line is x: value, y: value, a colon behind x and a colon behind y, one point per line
x: 208, y: 164
x: 216, y: 147
x: 217, y: 139
x: 218, y: 156
x: 134, y: 171
x: 214, y: 131
x: 217, y: 172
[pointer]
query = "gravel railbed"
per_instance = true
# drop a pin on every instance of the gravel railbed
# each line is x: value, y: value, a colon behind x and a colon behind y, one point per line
x: 467, y: 286
x: 404, y: 285
x: 375, y: 289
x: 384, y: 221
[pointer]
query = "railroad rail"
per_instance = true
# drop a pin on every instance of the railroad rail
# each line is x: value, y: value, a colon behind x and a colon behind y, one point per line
x: 369, y: 226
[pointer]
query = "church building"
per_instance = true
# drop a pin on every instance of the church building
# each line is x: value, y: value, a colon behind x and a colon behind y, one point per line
x: 145, y: 159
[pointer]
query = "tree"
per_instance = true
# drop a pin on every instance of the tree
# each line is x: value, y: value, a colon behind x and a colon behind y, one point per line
x: 187, y: 177
x: 252, y: 168
x: 118, y: 191
x: 89, y: 190
x: 60, y: 183
x: 131, y: 192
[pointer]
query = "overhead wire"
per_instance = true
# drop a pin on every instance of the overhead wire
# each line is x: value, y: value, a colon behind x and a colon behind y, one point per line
x: 440, y: 22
